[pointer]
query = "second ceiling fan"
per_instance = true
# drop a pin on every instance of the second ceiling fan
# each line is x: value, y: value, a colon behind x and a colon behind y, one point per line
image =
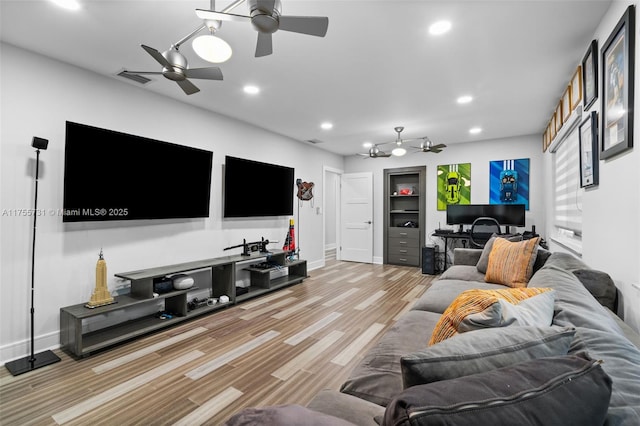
x: 425, y: 146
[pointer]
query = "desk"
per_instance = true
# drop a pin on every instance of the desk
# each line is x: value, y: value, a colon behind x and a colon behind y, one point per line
x: 446, y: 236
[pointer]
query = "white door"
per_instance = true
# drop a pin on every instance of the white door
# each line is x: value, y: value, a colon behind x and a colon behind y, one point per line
x: 357, y: 217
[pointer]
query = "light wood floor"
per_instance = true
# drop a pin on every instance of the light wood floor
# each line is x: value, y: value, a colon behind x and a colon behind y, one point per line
x: 281, y: 348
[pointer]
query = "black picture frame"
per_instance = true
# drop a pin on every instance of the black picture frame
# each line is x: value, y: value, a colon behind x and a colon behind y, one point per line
x: 588, y: 140
x: 590, y: 75
x: 617, y: 56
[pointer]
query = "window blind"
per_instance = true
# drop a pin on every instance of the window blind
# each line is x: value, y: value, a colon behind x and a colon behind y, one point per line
x: 567, y: 191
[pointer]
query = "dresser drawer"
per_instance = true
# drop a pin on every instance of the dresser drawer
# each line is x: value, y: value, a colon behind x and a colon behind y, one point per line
x: 412, y: 243
x: 410, y: 259
x: 413, y: 233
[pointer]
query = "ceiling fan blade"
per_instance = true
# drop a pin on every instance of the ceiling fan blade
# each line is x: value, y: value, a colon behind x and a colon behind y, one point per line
x: 143, y: 72
x: 383, y: 154
x: 221, y: 16
x: 311, y: 25
x: 264, y: 46
x: 157, y: 56
x: 439, y: 146
x: 210, y: 73
x: 188, y: 87
x: 435, y: 151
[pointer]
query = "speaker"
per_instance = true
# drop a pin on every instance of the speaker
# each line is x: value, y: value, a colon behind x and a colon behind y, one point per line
x: 429, y: 260
x: 39, y: 143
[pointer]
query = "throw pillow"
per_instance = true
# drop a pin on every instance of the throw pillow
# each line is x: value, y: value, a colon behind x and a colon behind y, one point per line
x: 600, y: 285
x: 511, y: 264
x: 476, y: 301
x: 567, y: 390
x: 283, y: 415
x: 536, y: 310
x: 484, y: 350
x: 483, y: 262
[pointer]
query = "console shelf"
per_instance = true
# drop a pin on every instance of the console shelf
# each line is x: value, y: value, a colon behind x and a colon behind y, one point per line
x: 135, y: 314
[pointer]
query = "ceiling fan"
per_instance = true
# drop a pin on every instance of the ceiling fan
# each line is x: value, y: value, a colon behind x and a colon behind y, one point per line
x: 427, y: 146
x: 266, y: 18
x: 175, y: 68
x: 375, y: 152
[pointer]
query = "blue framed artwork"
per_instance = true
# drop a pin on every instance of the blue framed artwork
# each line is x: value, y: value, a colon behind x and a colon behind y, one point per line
x: 509, y: 182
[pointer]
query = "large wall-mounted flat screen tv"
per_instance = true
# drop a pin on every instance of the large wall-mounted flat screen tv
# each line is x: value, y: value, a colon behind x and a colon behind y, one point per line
x: 505, y: 214
x: 110, y: 175
x: 253, y: 188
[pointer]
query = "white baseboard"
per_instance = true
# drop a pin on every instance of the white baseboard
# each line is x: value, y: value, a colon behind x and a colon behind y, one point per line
x: 22, y: 348
x: 377, y: 260
x: 330, y: 246
x: 316, y: 264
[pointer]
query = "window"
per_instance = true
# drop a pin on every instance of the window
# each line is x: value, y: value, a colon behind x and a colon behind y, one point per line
x: 567, y: 192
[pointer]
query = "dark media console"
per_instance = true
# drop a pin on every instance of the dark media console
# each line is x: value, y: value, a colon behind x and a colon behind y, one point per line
x: 80, y: 331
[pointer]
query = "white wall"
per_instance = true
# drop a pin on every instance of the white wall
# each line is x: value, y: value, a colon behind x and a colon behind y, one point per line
x: 38, y: 95
x: 610, y: 211
x: 330, y: 209
x: 479, y: 154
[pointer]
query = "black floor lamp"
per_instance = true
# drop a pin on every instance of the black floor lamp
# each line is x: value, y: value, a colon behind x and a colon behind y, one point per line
x: 33, y: 361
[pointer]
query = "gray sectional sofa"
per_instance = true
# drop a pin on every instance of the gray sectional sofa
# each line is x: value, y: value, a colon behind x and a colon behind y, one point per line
x: 582, y: 369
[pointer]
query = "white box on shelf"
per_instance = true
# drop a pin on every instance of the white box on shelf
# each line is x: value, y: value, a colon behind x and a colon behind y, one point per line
x: 279, y: 272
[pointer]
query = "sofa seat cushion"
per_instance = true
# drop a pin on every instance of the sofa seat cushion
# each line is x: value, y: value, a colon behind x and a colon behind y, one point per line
x: 347, y: 407
x: 568, y: 390
x: 442, y: 293
x: 483, y: 350
x: 511, y: 263
x: 462, y: 272
x: 484, y: 308
x: 378, y: 377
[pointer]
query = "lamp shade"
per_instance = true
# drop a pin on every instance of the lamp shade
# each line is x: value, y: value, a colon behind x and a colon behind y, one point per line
x: 211, y: 48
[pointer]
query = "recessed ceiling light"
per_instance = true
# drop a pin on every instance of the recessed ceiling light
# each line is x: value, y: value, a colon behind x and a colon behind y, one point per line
x: 251, y: 90
x: 475, y: 130
x: 326, y: 126
x: 68, y: 4
x: 464, y: 99
x: 439, y: 28
x: 367, y: 144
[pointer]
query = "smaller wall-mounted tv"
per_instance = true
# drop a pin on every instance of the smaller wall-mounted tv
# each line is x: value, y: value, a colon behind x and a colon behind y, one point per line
x: 253, y: 189
x: 110, y: 176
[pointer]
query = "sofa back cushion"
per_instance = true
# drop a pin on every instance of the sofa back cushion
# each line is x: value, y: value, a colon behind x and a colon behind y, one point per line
x: 565, y: 390
x: 483, y: 350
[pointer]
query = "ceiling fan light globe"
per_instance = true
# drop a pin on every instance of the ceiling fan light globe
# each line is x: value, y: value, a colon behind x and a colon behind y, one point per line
x: 399, y: 151
x: 211, y: 48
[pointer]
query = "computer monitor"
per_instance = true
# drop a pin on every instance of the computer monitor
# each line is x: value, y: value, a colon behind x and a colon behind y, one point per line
x: 505, y: 214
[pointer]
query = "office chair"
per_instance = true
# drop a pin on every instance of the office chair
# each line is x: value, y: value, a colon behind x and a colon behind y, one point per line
x: 481, y: 231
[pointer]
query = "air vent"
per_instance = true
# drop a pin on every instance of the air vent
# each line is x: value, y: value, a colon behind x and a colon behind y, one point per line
x: 314, y: 141
x: 135, y: 77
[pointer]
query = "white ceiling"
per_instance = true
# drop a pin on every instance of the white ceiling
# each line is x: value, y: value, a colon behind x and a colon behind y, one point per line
x: 377, y: 67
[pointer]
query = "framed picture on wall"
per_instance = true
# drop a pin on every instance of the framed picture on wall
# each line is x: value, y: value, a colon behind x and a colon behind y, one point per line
x: 509, y: 182
x: 566, y: 104
x: 588, y: 139
x: 576, y: 88
x: 558, y: 120
x: 617, y: 56
x: 454, y: 184
x: 590, y: 75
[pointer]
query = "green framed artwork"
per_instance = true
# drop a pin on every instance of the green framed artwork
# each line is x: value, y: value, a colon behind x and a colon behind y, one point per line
x: 454, y: 184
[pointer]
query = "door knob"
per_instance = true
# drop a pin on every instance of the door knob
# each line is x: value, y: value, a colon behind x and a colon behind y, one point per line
x: 369, y: 222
